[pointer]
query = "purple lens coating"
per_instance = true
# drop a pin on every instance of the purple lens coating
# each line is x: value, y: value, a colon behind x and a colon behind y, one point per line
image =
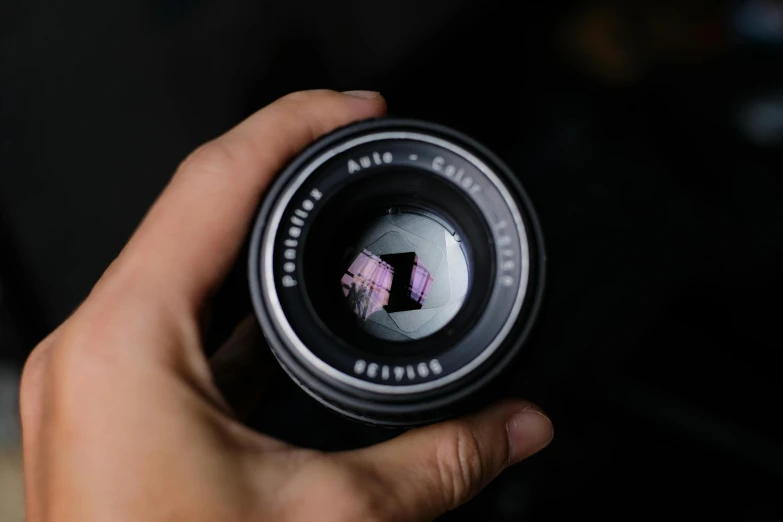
x: 394, y: 282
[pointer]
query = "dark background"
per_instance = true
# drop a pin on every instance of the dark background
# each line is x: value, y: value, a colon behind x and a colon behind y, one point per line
x: 648, y: 134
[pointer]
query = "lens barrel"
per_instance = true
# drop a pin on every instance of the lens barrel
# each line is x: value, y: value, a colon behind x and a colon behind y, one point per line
x: 396, y: 267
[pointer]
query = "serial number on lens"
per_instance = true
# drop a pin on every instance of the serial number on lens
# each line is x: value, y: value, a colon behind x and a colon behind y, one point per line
x: 397, y: 373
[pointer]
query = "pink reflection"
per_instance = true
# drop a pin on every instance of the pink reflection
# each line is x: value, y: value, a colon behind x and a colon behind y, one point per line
x: 366, y: 284
x: 421, y: 281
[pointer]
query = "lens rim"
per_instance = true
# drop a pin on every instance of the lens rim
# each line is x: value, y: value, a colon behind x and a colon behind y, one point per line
x: 380, y: 403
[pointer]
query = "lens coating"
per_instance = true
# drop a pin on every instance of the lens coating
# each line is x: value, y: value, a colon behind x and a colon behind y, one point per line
x: 409, y: 278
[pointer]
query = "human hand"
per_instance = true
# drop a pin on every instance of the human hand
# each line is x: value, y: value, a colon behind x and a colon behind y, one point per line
x: 122, y: 419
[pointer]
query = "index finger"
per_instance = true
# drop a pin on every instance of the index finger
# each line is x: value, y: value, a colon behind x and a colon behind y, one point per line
x: 192, y: 234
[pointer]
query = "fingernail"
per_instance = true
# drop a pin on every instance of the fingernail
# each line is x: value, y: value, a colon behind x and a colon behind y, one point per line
x: 529, y: 431
x: 369, y: 95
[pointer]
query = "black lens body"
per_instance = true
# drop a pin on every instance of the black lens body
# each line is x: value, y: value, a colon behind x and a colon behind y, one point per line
x: 396, y: 268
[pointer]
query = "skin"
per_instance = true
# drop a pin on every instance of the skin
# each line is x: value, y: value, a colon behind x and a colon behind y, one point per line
x: 124, y: 419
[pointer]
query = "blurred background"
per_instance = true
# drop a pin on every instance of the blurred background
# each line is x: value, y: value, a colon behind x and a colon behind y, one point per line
x: 649, y: 134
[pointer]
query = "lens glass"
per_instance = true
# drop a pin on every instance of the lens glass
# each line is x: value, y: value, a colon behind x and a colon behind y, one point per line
x: 408, y: 277
x: 389, y: 263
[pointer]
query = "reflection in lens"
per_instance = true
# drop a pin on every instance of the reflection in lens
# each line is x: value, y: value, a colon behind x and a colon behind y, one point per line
x: 370, y: 283
x: 409, y: 278
x: 367, y: 284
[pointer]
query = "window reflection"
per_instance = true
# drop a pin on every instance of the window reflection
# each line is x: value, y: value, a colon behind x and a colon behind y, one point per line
x: 369, y: 284
x: 420, y: 283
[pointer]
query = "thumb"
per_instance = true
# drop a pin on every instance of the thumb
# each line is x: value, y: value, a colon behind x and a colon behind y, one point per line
x: 428, y: 471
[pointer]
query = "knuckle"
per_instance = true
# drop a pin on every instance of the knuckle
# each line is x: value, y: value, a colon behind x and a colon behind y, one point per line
x: 460, y: 463
x: 63, y: 366
x: 235, y: 155
x: 210, y: 155
x: 218, y: 157
x: 81, y: 357
x: 33, y: 375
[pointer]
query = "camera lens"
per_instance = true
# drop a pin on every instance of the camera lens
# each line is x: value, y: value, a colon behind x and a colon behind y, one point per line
x: 396, y: 267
